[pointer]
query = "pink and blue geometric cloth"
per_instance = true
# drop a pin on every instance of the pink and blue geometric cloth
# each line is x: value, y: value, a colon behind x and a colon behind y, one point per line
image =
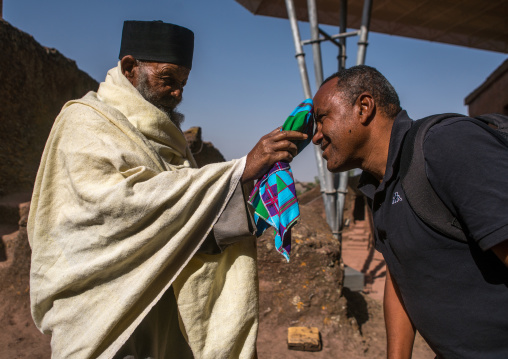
x: 274, y: 195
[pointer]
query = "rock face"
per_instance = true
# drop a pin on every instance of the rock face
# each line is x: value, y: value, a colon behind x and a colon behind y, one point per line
x: 19, y: 337
x: 204, y: 152
x: 36, y: 82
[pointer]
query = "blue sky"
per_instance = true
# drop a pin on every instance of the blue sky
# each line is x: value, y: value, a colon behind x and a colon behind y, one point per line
x: 245, y: 78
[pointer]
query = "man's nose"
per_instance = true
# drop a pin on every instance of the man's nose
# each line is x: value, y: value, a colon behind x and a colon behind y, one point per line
x: 318, y: 136
x: 177, y: 92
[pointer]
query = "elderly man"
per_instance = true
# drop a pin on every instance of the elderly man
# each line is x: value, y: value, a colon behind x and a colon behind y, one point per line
x: 453, y: 292
x: 136, y: 253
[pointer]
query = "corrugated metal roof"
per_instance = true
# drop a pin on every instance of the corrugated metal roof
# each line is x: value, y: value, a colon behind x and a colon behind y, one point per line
x: 480, y: 24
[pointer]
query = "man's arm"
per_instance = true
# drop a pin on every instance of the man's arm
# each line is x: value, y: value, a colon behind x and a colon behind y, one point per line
x: 400, y: 331
x: 235, y: 222
x: 273, y: 147
x: 501, y: 251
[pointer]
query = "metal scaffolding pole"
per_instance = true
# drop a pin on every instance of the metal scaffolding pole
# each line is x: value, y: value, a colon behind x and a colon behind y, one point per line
x: 316, y: 46
x: 333, y: 187
x: 342, y: 29
x: 327, y: 181
x: 343, y: 176
x: 300, y: 55
x: 364, y: 32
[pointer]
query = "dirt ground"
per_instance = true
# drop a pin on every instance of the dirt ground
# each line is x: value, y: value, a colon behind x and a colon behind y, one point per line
x: 19, y: 338
x: 303, y: 292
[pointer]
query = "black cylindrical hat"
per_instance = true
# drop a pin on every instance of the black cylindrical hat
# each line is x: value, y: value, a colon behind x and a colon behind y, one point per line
x: 157, y: 41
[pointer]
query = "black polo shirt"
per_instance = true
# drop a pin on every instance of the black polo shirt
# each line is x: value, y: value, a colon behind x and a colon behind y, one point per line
x: 455, y: 293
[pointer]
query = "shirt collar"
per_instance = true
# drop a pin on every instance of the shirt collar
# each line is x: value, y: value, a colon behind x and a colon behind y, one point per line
x: 368, y: 183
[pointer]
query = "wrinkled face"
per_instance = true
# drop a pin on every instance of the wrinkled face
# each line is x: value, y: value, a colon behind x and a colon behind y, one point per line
x: 161, y: 84
x: 337, y: 131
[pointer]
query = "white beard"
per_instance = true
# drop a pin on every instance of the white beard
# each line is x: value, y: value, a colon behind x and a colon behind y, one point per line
x: 176, y: 117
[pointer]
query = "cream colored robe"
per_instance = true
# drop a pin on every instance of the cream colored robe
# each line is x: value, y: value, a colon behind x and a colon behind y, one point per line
x: 118, y: 213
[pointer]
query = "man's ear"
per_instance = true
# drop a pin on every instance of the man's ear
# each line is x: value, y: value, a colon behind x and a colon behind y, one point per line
x: 129, y: 68
x: 366, y: 107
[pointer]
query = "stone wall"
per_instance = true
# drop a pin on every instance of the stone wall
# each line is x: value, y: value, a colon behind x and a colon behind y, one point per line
x: 204, y: 152
x: 36, y: 82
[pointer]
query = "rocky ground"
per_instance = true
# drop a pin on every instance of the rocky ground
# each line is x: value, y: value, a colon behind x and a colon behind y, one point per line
x: 19, y: 338
x: 303, y: 292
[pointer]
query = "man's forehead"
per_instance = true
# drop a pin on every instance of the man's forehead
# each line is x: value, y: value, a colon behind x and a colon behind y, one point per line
x: 174, y: 67
x: 166, y: 67
x: 325, y: 93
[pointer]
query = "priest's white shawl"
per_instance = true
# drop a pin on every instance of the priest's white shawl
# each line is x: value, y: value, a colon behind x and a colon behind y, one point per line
x: 117, y: 216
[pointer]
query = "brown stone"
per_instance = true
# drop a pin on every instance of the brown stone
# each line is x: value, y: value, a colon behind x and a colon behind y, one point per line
x: 36, y: 82
x: 19, y: 336
x: 204, y: 152
x: 304, y: 338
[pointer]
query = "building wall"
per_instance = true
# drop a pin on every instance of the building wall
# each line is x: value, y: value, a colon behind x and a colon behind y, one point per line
x: 36, y: 82
x: 492, y: 95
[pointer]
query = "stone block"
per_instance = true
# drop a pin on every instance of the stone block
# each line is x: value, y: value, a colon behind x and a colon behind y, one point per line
x: 353, y: 279
x: 304, y: 338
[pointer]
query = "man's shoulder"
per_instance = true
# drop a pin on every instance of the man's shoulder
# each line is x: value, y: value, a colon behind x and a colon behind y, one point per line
x: 453, y: 124
x: 86, y: 104
x: 89, y: 110
x: 456, y: 134
x: 89, y: 116
x: 89, y: 104
x: 462, y: 132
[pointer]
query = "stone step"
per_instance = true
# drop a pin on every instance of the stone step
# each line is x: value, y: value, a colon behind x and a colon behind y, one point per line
x: 7, y: 245
x: 360, y: 224
x: 8, y: 229
x: 358, y: 233
x: 357, y: 238
x: 355, y: 244
x: 354, y: 247
x: 358, y: 230
x: 354, y: 250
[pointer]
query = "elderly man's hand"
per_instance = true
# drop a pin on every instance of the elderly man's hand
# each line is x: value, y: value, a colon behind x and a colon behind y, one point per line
x: 271, y: 148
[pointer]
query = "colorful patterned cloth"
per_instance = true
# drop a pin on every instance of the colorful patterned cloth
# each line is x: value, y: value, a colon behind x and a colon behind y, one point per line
x: 274, y: 196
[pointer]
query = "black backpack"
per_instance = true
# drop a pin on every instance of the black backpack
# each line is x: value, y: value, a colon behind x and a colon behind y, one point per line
x: 420, y: 195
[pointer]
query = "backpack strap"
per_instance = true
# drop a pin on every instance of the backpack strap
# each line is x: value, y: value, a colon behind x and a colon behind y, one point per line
x: 498, y: 122
x: 419, y: 193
